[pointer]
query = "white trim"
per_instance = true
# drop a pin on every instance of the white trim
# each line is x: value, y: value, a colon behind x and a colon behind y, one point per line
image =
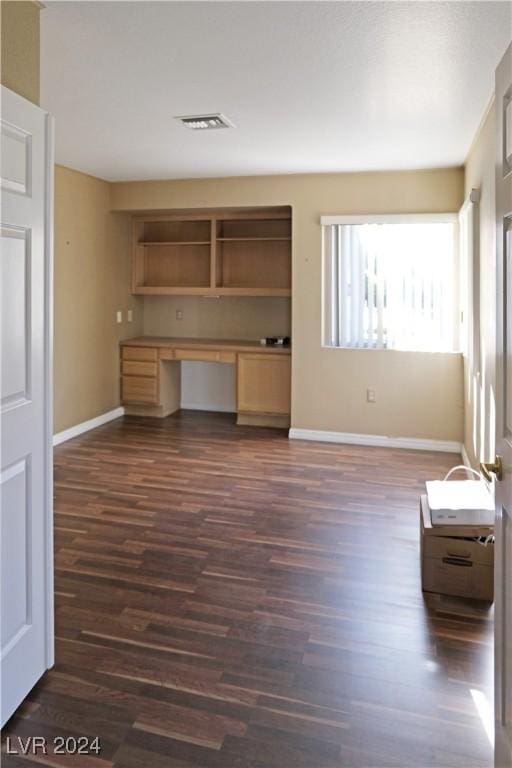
x: 48, y: 376
x: 469, y: 271
x: 388, y: 218
x: 382, y: 441
x: 466, y: 461
x: 207, y: 407
x: 85, y: 426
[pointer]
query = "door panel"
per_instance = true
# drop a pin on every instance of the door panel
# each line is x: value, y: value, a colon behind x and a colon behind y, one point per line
x: 15, y: 163
x: 16, y: 555
x: 503, y: 562
x: 26, y: 567
x: 507, y: 617
x: 15, y: 295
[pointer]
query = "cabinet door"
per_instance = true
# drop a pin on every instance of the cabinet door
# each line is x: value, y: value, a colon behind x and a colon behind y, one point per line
x: 263, y: 383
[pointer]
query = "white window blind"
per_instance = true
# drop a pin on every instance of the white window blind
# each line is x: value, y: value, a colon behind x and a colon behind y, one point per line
x: 390, y: 284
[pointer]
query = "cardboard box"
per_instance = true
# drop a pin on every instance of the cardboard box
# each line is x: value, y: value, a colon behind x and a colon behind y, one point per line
x: 452, y: 562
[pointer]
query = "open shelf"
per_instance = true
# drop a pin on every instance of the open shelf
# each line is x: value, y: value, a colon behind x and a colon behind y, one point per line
x: 224, y: 252
x: 253, y: 264
x: 167, y: 290
x: 254, y: 291
x: 166, y: 265
x: 175, y: 231
x: 249, y: 229
x: 251, y: 239
x: 175, y: 290
x: 175, y: 243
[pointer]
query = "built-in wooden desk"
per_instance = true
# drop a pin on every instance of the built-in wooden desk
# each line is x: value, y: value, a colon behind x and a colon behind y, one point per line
x: 151, y: 377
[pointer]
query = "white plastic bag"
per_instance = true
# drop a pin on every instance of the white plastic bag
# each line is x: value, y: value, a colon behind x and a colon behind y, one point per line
x: 460, y: 502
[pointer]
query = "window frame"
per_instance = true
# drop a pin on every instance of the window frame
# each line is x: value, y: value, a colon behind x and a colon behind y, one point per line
x: 469, y: 270
x: 395, y: 218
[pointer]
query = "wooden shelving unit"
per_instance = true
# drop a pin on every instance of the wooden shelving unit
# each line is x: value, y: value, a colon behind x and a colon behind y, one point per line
x: 230, y: 252
x: 176, y: 243
x: 250, y: 239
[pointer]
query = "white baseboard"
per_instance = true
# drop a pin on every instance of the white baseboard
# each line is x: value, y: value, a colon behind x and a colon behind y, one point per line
x: 207, y: 407
x: 85, y: 426
x: 382, y: 441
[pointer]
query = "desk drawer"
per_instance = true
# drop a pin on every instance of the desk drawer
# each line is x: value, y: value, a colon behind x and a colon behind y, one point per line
x: 139, y: 389
x: 205, y: 355
x: 140, y: 353
x: 139, y: 368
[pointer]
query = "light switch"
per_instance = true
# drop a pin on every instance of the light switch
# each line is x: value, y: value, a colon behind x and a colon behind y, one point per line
x: 129, y: 315
x: 119, y: 316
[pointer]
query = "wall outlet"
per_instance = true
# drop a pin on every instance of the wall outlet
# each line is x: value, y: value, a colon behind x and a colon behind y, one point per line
x: 179, y: 314
x: 370, y: 395
x: 119, y: 316
x: 129, y: 315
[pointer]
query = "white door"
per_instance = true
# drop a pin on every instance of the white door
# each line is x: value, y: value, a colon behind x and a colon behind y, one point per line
x: 26, y: 565
x: 503, y: 578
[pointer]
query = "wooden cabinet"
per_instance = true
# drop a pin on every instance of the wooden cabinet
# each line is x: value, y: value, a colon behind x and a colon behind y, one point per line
x: 151, y: 380
x: 139, y: 375
x: 137, y: 368
x: 263, y: 384
x: 205, y: 355
x: 140, y: 389
x: 140, y: 353
x: 243, y: 252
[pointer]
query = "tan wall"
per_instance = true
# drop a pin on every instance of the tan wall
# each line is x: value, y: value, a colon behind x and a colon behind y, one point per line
x: 20, y: 47
x: 418, y: 394
x: 225, y: 318
x: 479, y: 389
x: 91, y: 282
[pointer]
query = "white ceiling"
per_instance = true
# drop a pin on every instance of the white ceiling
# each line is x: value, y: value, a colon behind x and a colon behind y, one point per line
x: 311, y: 86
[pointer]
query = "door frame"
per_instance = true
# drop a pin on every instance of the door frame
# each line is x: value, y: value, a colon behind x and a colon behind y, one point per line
x: 48, y: 385
x: 503, y: 489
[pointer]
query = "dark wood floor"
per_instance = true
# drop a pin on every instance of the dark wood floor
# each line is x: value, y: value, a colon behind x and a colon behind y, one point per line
x: 226, y: 597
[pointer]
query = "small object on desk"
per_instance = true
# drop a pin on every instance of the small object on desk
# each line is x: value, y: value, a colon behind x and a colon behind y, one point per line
x: 275, y: 341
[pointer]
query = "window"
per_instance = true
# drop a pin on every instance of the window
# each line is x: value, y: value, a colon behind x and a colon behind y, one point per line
x: 390, y: 282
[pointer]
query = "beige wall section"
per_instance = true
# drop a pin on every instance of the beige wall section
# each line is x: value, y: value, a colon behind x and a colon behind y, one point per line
x: 479, y: 386
x: 418, y: 395
x: 91, y: 282
x: 19, y: 43
x: 225, y: 318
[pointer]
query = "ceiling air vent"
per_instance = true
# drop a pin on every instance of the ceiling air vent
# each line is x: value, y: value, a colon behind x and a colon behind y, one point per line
x: 205, y: 122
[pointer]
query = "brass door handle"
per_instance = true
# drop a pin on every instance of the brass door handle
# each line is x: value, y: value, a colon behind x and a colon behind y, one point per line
x: 492, y: 468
